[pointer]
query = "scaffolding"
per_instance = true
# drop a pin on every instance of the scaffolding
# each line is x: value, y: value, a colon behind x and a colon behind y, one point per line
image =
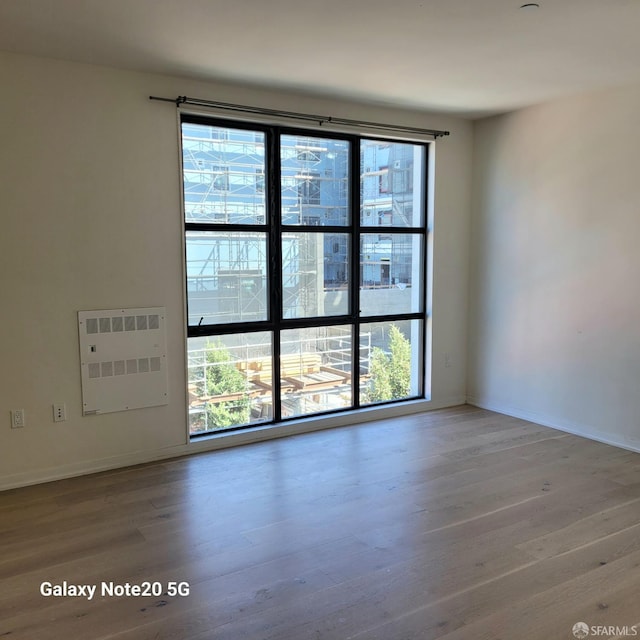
x: 223, y: 175
x: 224, y: 184
x: 315, y: 370
x: 387, y: 196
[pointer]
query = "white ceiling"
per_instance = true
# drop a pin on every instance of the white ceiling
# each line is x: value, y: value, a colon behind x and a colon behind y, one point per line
x: 470, y: 57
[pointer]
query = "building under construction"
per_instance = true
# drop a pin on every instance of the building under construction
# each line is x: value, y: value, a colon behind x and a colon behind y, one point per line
x: 228, y: 267
x: 224, y: 184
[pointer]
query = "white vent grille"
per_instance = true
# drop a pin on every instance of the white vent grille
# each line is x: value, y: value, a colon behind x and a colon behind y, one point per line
x: 122, y: 367
x: 92, y: 325
x: 106, y: 369
x: 117, y: 324
x: 123, y: 359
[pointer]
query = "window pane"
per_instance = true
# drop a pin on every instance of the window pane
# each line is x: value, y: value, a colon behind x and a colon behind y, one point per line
x: 390, y: 273
x: 226, y: 277
x: 229, y: 381
x: 315, y: 369
x: 390, y: 361
x: 223, y: 173
x: 392, y: 184
x: 315, y: 274
x: 314, y: 180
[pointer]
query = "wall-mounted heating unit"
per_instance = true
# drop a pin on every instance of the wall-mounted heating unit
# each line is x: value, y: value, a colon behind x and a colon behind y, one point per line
x: 123, y: 359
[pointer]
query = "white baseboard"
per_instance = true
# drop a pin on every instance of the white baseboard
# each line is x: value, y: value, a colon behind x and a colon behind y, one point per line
x: 223, y: 441
x: 52, y: 474
x: 553, y: 423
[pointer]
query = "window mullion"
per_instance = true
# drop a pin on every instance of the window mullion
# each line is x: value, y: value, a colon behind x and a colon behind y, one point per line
x: 273, y: 177
x: 355, y: 197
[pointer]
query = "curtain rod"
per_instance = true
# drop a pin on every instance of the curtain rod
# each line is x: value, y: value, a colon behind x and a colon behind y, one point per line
x: 197, y: 102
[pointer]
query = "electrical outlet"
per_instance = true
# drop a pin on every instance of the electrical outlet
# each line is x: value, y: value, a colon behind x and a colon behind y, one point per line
x: 17, y: 419
x: 59, y: 412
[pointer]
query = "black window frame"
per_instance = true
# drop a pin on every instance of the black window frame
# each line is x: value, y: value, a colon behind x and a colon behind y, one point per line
x: 274, y: 228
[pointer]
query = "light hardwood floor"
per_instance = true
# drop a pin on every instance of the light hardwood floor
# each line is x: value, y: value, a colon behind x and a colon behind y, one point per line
x: 456, y: 524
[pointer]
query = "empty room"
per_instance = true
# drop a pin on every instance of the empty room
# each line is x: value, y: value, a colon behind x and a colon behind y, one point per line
x: 319, y: 320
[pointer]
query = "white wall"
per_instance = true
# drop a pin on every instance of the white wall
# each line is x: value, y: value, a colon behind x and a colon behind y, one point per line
x: 90, y: 199
x: 555, y: 324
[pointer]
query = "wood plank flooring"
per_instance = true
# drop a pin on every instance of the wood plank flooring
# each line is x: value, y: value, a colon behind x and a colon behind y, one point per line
x: 454, y: 524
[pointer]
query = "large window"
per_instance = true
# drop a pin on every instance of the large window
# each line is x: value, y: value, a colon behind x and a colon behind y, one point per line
x: 305, y: 272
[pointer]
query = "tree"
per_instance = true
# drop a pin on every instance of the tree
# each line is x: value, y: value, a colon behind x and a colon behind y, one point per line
x: 222, y: 378
x: 391, y: 372
x: 221, y: 374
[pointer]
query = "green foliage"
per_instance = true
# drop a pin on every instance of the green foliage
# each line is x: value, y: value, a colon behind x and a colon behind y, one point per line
x: 400, y: 364
x: 221, y: 378
x: 228, y: 413
x: 380, y: 388
x: 391, y: 372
